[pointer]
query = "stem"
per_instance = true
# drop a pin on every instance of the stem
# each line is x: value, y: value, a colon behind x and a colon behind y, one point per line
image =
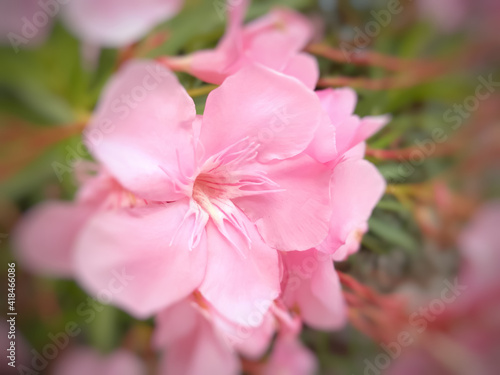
x: 200, y: 91
x: 366, y: 58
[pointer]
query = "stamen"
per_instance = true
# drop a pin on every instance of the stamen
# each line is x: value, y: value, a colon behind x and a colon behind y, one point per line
x: 231, y: 173
x: 200, y: 221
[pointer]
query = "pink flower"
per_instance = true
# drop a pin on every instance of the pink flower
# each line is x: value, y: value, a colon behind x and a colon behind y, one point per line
x: 356, y: 185
x: 289, y: 356
x: 480, y: 248
x: 83, y: 361
x: 448, y: 15
x: 312, y: 287
x: 310, y: 284
x: 23, y: 23
x: 191, y: 342
x: 469, y: 326
x: 204, y: 202
x: 116, y: 23
x: 46, y: 236
x: 274, y: 40
x: 195, y: 339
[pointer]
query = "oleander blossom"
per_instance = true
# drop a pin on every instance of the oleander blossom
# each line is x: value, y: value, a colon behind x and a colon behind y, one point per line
x: 204, y: 202
x: 101, y: 23
x: 85, y: 361
x: 116, y: 23
x: 310, y: 284
x: 471, y: 322
x: 17, y: 27
x: 275, y: 40
x: 194, y: 339
x: 356, y: 185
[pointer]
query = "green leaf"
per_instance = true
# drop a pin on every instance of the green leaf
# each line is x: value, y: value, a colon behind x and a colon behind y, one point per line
x: 392, y: 234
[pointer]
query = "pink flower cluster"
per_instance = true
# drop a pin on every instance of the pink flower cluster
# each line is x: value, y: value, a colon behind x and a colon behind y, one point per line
x: 464, y: 338
x: 107, y: 23
x: 224, y: 225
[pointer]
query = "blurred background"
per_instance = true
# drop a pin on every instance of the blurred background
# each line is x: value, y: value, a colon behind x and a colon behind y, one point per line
x: 432, y: 65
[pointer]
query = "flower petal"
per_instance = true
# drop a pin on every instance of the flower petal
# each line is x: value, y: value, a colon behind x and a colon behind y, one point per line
x: 291, y: 357
x: 147, y: 245
x: 215, y: 65
x: 196, y: 348
x: 356, y: 188
x: 16, y: 29
x: 274, y: 38
x: 45, y: 237
x: 323, y: 147
x: 250, y: 341
x: 314, y: 287
x: 339, y: 103
x: 142, y: 131
x: 241, y: 281
x: 83, y: 361
x: 304, y: 67
x: 263, y: 106
x: 296, y: 218
x: 368, y: 126
x: 115, y: 23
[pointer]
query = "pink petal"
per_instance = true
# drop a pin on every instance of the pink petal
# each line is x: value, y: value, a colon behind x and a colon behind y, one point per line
x: 215, y: 65
x: 413, y: 361
x: 276, y: 44
x: 262, y: 106
x: 346, y: 129
x: 80, y: 361
x: 304, y: 67
x: 447, y: 15
x: 84, y: 361
x: 122, y: 362
x: 368, y: 126
x: 148, y: 245
x: 196, y: 347
x: 356, y: 153
x: 339, y: 103
x: 241, y: 280
x: 314, y: 287
x: 251, y: 342
x: 356, y: 188
x: 284, y: 29
x: 274, y: 40
x: 115, y: 23
x: 479, y: 245
x: 296, y: 218
x: 290, y: 357
x: 323, y: 146
x: 17, y: 27
x: 350, y: 129
x: 146, y: 144
x: 45, y: 237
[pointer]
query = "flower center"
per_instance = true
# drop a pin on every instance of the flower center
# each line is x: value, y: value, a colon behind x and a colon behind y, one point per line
x: 229, y: 174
